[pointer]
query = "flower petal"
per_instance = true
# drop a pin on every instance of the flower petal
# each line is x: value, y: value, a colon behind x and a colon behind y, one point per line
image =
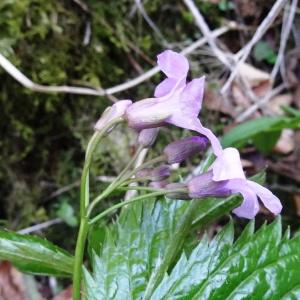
x: 270, y: 201
x: 215, y: 143
x: 203, y: 186
x: 147, y: 113
x: 228, y: 166
x: 186, y: 102
x: 250, y: 207
x: 173, y: 64
x: 165, y: 87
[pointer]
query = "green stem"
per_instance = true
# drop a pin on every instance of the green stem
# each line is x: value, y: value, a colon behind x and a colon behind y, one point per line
x: 84, y: 202
x: 114, y: 184
x: 124, y: 203
x: 122, y: 179
x: 79, y: 252
x: 176, y: 242
x: 148, y: 163
x: 139, y: 188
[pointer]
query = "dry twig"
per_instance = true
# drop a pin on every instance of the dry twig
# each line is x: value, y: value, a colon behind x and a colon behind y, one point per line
x: 26, y: 82
x: 243, y: 54
x: 252, y: 109
x: 40, y: 226
x: 285, y: 33
x: 200, y: 21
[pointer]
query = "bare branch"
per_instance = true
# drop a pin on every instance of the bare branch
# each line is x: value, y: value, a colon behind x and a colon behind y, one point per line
x: 26, y: 82
x: 285, y: 32
x: 200, y: 21
x: 252, y: 109
x: 156, y: 30
x: 261, y: 30
x: 40, y: 226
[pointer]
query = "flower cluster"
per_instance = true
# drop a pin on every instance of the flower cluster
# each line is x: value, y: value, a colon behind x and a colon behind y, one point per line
x: 178, y: 102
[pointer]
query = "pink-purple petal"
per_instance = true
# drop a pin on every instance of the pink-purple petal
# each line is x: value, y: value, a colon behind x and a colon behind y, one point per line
x: 215, y: 143
x: 249, y: 207
x: 192, y: 96
x: 270, y: 201
x: 228, y: 166
x: 174, y: 65
x: 165, y: 87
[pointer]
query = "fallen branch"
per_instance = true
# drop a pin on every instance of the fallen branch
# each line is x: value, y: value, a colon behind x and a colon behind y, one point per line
x: 27, y: 83
x: 40, y: 226
x: 243, y: 54
x: 200, y: 21
x: 253, y: 108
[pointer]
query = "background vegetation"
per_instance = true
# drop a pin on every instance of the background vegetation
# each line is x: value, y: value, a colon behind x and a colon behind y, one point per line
x: 101, y: 44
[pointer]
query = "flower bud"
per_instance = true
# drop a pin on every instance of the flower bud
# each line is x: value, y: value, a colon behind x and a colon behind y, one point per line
x: 180, y: 191
x: 156, y: 174
x: 146, y: 137
x: 158, y: 184
x: 178, y: 151
x: 115, y: 111
x: 204, y: 186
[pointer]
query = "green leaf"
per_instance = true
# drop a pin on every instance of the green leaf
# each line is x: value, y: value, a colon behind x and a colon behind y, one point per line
x: 35, y: 255
x: 244, y: 133
x: 66, y: 212
x: 134, y: 246
x: 256, y: 266
x: 265, y: 142
x: 263, y: 51
x: 260, y: 265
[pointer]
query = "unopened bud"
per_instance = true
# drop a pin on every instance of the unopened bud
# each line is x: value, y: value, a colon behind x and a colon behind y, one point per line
x: 156, y: 174
x: 113, y: 112
x: 158, y: 184
x: 146, y: 137
x: 179, y: 151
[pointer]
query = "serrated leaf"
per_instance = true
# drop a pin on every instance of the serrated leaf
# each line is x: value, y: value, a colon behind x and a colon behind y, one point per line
x: 260, y: 265
x: 35, y: 255
x: 136, y: 243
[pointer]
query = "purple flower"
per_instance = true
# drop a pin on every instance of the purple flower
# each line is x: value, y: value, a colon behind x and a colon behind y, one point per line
x: 155, y: 174
x: 158, y: 184
x: 176, y: 102
x: 115, y: 111
x: 203, y: 186
x: 226, y: 176
x: 146, y: 137
x: 179, y: 151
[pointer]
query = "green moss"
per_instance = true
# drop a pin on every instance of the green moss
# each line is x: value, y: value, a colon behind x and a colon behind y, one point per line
x: 44, y: 135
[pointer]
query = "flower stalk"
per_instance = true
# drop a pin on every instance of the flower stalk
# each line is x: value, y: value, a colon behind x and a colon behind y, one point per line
x: 84, y: 202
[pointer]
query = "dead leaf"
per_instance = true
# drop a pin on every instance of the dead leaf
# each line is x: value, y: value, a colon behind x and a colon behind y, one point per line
x: 11, y: 283
x: 214, y: 101
x: 275, y: 105
x: 286, y: 142
x: 254, y: 76
x: 66, y: 294
x: 258, y: 81
x: 239, y: 97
